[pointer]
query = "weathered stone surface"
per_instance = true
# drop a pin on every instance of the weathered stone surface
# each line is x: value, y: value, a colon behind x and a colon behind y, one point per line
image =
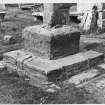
x: 52, y: 88
x: 51, y: 43
x: 56, y: 13
x: 14, y: 60
x: 10, y: 57
x: 47, y: 70
x: 84, y: 76
x: 20, y: 60
x: 33, y: 70
x: 51, y: 70
x: 11, y: 68
x: 13, y: 56
x: 39, y: 83
x: 42, y: 66
x: 94, y: 57
x: 73, y: 64
x: 43, y: 84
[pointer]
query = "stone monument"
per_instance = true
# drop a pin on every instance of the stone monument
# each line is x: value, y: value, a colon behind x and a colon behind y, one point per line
x: 51, y: 50
x: 55, y: 38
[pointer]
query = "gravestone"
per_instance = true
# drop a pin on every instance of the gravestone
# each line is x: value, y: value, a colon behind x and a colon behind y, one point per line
x: 51, y: 50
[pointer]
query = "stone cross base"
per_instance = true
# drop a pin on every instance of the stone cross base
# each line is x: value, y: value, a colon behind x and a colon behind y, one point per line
x: 51, y: 43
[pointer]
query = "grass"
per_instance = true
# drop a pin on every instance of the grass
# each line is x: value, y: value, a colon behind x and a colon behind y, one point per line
x: 16, y: 90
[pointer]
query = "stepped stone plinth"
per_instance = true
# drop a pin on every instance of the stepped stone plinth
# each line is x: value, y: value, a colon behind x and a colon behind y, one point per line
x: 55, y: 38
x: 51, y: 70
x: 51, y: 51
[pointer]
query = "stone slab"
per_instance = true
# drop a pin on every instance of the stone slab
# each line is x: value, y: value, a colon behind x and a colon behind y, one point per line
x: 61, y: 69
x: 73, y: 64
x: 55, y: 69
x: 51, y: 43
x: 11, y: 57
x: 45, y: 85
x: 94, y: 57
x: 33, y: 73
x: 84, y: 77
x: 43, y: 66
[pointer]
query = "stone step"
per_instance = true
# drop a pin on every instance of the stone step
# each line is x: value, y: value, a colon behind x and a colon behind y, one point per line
x: 43, y: 84
x: 51, y: 43
x: 42, y: 71
x: 84, y: 77
x: 81, y: 61
x: 59, y: 69
x: 11, y: 68
x: 94, y: 57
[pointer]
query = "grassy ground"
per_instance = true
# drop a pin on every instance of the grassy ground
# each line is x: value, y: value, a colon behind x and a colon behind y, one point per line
x: 14, y: 89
